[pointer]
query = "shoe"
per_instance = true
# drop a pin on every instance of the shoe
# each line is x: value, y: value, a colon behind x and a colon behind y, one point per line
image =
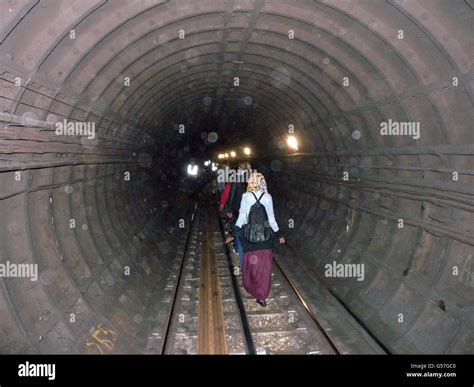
x: 262, y: 303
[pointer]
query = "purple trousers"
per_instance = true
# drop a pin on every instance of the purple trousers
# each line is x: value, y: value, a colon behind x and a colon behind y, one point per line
x: 257, y: 274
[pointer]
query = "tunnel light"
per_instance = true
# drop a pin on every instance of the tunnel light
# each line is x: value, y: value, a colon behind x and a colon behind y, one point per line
x: 233, y: 154
x: 192, y: 170
x: 220, y: 156
x: 292, y: 142
x: 226, y: 155
x: 247, y: 151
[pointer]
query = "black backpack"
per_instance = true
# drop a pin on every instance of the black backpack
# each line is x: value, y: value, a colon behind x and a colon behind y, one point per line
x: 257, y: 228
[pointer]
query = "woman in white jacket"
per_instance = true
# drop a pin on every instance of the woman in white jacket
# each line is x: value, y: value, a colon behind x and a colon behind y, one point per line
x: 258, y: 256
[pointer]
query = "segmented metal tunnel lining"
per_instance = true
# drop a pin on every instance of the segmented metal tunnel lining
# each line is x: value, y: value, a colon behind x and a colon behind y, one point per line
x: 297, y: 82
x: 188, y: 20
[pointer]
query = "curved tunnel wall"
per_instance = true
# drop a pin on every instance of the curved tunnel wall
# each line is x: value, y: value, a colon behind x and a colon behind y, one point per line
x: 347, y: 70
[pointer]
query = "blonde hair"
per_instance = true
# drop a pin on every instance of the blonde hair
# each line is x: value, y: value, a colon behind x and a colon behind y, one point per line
x: 256, y: 182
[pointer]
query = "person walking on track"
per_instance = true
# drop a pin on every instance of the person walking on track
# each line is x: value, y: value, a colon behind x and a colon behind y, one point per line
x: 259, y: 230
x: 231, y: 199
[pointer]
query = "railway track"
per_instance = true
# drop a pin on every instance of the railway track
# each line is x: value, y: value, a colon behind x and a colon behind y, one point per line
x: 180, y: 333
x: 285, y: 326
x: 211, y: 313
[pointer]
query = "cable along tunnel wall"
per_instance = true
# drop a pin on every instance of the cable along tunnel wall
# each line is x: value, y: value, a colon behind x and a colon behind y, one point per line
x: 332, y: 70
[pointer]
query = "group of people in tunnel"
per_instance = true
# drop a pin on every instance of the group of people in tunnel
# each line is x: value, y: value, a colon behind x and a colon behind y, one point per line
x: 247, y: 207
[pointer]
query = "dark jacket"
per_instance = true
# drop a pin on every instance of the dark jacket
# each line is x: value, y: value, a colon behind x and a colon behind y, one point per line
x: 235, y: 196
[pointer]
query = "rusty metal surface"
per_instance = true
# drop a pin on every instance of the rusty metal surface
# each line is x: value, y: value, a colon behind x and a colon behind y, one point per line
x: 212, y: 333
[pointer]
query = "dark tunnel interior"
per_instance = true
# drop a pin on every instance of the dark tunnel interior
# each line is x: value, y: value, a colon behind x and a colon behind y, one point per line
x: 169, y: 82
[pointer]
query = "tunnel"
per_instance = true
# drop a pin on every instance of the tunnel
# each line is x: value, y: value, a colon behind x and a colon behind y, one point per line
x: 105, y: 102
